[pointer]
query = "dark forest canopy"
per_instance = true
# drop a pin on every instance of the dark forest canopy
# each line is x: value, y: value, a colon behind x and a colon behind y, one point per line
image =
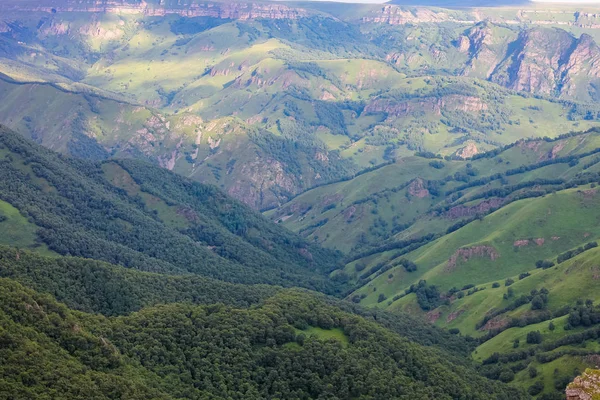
x: 220, y: 352
x: 140, y: 216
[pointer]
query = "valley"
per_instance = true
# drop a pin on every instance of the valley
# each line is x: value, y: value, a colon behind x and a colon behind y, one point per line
x: 269, y: 200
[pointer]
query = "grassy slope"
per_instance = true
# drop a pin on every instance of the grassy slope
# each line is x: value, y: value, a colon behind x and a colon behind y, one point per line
x: 389, y: 194
x: 564, y: 220
x: 559, y: 216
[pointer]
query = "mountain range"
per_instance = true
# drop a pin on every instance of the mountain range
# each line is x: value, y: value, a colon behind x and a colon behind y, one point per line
x: 267, y: 100
x: 298, y: 200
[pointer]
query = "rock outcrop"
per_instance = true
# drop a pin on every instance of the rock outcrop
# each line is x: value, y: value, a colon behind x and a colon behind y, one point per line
x: 551, y: 62
x: 466, y: 253
x: 454, y: 102
x: 394, y: 15
x: 195, y: 8
x: 402, y: 15
x: 585, y: 386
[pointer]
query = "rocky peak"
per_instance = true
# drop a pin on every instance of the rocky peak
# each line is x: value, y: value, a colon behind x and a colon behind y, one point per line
x: 482, y: 58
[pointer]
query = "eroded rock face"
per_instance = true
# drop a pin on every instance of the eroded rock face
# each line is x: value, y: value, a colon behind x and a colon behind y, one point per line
x: 469, y: 211
x: 483, y: 57
x: 428, y: 104
x: 394, y: 15
x: 226, y: 10
x: 262, y: 181
x: 552, y: 62
x: 468, y: 151
x: 585, y: 386
x: 466, y: 253
x: 417, y: 188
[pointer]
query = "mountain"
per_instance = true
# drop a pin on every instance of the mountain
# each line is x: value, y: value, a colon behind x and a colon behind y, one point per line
x: 268, y: 100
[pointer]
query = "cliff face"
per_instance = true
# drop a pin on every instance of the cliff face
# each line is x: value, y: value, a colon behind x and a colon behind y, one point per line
x: 479, y: 43
x: 400, y: 15
x: 551, y: 62
x: 585, y: 386
x: 225, y: 10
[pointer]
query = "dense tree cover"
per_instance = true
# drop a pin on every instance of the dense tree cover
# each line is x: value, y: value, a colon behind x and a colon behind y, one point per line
x: 81, y: 213
x: 98, y: 287
x: 428, y: 296
x: 215, y: 351
x: 46, y: 354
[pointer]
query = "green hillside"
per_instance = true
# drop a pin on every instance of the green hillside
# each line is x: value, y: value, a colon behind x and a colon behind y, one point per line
x: 493, y: 247
x: 417, y: 196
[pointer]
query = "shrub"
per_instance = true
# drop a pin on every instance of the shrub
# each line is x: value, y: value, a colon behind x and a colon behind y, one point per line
x: 536, y: 388
x: 437, y: 164
x: 524, y: 275
x: 533, y: 372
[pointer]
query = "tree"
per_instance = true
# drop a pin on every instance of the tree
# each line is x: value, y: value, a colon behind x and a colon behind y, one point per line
x: 534, y: 337
x: 551, y: 326
x: 536, y: 388
x: 507, y: 376
x: 537, y: 303
x: 533, y: 372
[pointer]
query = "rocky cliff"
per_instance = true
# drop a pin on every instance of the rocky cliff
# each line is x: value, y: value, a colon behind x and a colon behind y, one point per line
x: 401, y: 15
x: 195, y: 8
x: 585, y: 386
x: 551, y: 62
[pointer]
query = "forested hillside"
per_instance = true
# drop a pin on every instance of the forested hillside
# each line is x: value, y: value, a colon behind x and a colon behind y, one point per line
x: 143, y: 217
x: 151, y: 325
x: 292, y: 346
